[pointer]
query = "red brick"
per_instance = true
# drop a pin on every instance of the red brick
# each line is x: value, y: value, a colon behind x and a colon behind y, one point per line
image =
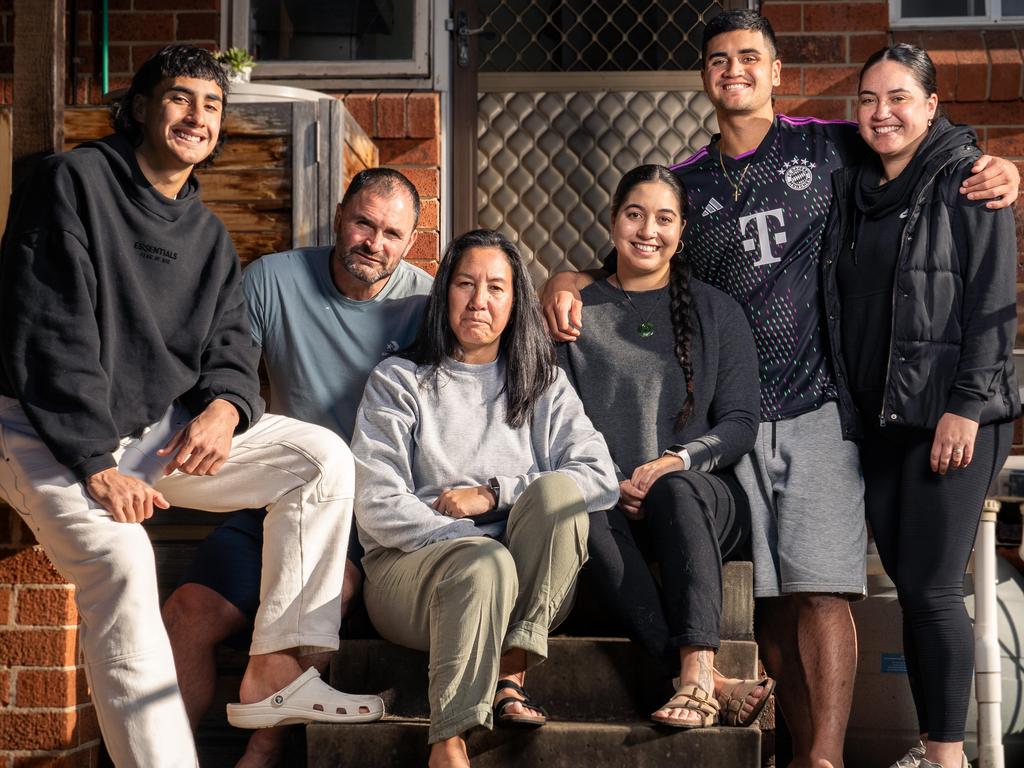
x: 5, y: 686
x: 1005, y: 142
x: 1007, y: 65
x: 38, y: 730
x: 362, y: 107
x: 427, y: 265
x: 51, y: 688
x: 792, y: 81
x: 141, y: 52
x: 423, y: 115
x: 8, y: 84
x: 845, y: 17
x: 985, y: 113
x: 198, y: 26
x: 27, y: 566
x: 425, y: 180
x: 128, y: 27
x: 785, y: 17
x: 946, y: 68
x: 838, y: 81
x: 410, y: 151
x: 390, y: 116
x: 78, y: 758
x: 426, y: 247
x: 6, y: 598
x: 830, y: 109
x: 85, y: 20
x: 812, y: 49
x: 88, y: 724
x: 176, y: 5
x: 972, y: 75
x: 429, y: 214
x: 39, y: 647
x: 862, y: 46
x: 119, y: 60
x: 46, y: 606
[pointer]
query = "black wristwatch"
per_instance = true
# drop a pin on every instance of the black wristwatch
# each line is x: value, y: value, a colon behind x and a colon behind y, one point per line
x: 495, y: 488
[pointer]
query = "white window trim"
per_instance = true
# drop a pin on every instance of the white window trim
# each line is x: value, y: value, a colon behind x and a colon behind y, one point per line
x: 235, y: 32
x: 993, y: 18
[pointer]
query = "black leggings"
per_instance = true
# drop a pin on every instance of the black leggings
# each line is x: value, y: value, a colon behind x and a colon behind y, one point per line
x: 924, y: 525
x: 693, y: 521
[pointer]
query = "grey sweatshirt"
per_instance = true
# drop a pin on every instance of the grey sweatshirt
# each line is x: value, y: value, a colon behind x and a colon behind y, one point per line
x: 414, y: 441
x: 633, y: 387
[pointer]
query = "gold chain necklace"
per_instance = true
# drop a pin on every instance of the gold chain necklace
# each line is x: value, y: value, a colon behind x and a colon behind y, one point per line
x: 735, y: 186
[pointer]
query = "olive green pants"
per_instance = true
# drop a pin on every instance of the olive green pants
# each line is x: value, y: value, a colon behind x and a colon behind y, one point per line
x: 466, y: 601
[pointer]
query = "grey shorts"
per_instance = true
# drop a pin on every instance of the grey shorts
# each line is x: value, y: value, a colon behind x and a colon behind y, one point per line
x: 806, y: 494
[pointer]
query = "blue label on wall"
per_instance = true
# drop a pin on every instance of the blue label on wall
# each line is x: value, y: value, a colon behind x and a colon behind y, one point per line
x: 894, y: 662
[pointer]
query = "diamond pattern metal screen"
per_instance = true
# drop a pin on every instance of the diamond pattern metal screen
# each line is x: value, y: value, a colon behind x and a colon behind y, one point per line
x: 593, y: 35
x: 549, y: 162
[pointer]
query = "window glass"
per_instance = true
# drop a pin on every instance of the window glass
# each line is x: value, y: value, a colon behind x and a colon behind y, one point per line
x: 937, y: 8
x: 331, y: 30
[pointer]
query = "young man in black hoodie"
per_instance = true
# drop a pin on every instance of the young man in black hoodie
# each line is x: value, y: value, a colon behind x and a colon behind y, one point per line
x: 127, y: 383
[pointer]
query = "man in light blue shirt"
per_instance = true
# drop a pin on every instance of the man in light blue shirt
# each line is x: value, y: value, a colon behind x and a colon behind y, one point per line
x: 323, y: 317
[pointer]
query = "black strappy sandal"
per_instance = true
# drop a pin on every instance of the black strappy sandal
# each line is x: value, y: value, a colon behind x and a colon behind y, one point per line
x: 522, y: 719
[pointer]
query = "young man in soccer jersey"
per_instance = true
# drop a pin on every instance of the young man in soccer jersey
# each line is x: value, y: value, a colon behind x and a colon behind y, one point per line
x: 758, y: 198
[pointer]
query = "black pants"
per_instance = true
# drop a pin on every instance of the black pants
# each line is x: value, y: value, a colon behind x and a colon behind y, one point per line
x: 693, y: 521
x: 924, y: 525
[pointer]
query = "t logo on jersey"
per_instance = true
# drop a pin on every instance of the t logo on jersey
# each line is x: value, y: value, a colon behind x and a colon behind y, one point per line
x: 762, y: 235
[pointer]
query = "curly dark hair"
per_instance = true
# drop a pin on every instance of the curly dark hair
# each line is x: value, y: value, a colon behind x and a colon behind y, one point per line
x: 170, y: 61
x: 680, y: 298
x: 529, y: 353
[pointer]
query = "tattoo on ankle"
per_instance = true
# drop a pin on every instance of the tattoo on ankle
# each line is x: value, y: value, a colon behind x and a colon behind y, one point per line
x: 706, y: 676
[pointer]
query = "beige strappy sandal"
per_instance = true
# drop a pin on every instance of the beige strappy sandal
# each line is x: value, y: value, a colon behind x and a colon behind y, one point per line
x: 694, y: 698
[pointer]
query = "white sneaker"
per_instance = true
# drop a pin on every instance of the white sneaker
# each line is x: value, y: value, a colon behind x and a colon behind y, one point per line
x: 913, y: 757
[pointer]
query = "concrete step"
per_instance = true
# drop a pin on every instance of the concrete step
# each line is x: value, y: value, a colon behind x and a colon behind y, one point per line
x: 394, y: 742
x: 584, y: 679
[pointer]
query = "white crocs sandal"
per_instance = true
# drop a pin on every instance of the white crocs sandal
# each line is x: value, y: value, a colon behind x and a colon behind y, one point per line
x: 306, y: 700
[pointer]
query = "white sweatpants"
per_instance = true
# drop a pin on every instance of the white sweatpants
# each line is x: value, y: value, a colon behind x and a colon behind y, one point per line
x: 300, y: 472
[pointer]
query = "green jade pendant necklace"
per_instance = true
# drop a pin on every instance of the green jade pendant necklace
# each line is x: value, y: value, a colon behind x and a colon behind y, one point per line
x: 646, y: 328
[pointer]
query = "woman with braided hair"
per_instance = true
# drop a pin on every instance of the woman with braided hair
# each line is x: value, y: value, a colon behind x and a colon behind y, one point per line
x: 667, y: 372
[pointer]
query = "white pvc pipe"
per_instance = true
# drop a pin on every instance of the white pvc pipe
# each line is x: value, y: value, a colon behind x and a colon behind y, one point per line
x: 988, y: 680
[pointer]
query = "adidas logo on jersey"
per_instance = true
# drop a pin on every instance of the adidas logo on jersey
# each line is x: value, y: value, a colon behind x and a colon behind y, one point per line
x: 713, y: 206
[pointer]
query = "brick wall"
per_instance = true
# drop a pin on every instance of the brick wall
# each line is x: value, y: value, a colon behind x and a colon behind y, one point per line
x: 406, y: 127
x: 45, y: 715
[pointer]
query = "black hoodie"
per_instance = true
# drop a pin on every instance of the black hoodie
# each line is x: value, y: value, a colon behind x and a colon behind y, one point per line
x: 952, y: 320
x: 116, y: 301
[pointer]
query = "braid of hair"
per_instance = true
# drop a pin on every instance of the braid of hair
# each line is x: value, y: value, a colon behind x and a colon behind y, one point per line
x: 680, y: 306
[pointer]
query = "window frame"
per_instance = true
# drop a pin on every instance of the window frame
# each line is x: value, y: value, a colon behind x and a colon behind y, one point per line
x: 235, y: 33
x: 993, y: 18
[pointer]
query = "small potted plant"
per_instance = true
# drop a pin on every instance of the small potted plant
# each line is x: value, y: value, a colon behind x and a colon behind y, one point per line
x: 237, y: 63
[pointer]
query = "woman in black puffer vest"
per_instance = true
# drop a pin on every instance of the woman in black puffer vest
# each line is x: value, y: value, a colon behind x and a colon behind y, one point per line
x: 920, y: 296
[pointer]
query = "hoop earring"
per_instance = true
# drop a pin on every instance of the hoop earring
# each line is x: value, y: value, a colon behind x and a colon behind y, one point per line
x: 679, y: 249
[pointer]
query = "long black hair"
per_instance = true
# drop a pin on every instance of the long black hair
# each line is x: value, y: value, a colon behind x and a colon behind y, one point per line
x: 529, y: 354
x: 680, y: 298
x: 910, y: 56
x: 170, y: 61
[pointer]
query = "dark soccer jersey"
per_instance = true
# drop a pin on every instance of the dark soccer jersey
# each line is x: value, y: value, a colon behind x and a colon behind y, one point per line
x: 762, y: 247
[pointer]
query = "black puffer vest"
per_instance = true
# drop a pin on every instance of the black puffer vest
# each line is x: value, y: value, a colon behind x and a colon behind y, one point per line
x: 954, y: 299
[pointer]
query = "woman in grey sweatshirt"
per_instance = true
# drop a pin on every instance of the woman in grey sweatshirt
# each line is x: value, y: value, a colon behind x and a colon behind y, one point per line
x: 476, y: 471
x: 667, y: 370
